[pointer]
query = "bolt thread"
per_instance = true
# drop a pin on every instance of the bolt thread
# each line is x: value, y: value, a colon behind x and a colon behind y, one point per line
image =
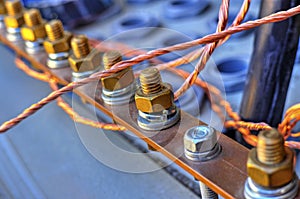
x: 80, y: 46
x: 54, y: 30
x: 33, y: 17
x: 2, y: 7
x: 206, y: 192
x: 110, y: 58
x: 150, y: 81
x: 270, y: 147
x: 13, y: 7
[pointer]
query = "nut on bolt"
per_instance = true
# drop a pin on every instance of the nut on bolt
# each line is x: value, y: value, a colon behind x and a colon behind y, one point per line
x: 57, y: 45
x: 153, y: 96
x: 118, y: 88
x: 200, y: 143
x: 34, y: 27
x: 155, y: 102
x: 58, y: 40
x: 119, y: 80
x: 14, y: 18
x: 83, y: 60
x: 271, y: 164
x: 2, y: 7
x: 270, y: 169
x: 2, y: 14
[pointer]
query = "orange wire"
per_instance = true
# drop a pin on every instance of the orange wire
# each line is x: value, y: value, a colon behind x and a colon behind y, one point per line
x: 217, y: 102
x: 46, y: 77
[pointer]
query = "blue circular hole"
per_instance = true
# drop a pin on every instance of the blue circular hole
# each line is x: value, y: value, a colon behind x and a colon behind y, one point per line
x: 233, y: 73
x: 232, y: 66
x: 133, y: 22
x: 180, y: 3
x: 138, y: 1
x: 177, y: 9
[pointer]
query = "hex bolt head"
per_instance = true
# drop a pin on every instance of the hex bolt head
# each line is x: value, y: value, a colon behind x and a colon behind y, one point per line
x: 200, y: 143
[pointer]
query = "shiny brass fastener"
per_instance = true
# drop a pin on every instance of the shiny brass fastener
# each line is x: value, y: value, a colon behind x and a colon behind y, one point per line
x: 58, y: 40
x: 83, y: 59
x: 14, y: 18
x: 35, y: 26
x: 155, y: 102
x: 271, y: 163
x: 119, y: 80
x: 153, y: 96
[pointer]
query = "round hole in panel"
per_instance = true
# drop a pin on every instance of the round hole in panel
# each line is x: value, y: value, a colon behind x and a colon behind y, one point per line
x: 177, y: 9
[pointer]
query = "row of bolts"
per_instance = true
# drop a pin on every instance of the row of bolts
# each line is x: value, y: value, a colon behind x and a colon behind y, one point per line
x: 200, y: 142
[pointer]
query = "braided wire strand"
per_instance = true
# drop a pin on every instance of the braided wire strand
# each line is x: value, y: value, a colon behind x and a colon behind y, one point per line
x: 46, y: 77
x: 276, y: 17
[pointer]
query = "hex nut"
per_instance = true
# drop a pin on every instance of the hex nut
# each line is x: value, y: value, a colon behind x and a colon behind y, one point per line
x: 68, y: 35
x: 2, y: 9
x: 89, y: 63
x: 200, y: 139
x: 153, y: 103
x: 14, y: 21
x: 271, y: 176
x: 58, y: 46
x: 119, y: 80
x: 33, y: 33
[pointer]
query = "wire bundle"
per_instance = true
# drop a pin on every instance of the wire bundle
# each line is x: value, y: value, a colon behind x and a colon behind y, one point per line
x: 222, y: 34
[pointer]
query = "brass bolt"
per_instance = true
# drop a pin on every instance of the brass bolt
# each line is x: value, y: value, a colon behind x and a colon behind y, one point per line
x: 150, y: 81
x: 270, y: 164
x: 13, y: 7
x: 33, y: 17
x: 110, y: 58
x: 270, y: 168
x: 270, y: 147
x: 80, y: 46
x: 155, y: 102
x: 58, y: 40
x: 2, y: 7
x: 154, y: 96
x: 83, y: 59
x: 119, y: 80
x: 54, y: 30
x: 14, y: 18
x: 35, y: 26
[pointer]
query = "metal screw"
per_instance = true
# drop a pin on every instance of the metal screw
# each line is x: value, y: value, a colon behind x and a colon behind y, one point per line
x: 206, y: 192
x: 270, y: 147
x: 110, y: 58
x: 200, y: 144
x: 33, y: 17
x: 270, y: 168
x: 13, y: 21
x: 13, y: 7
x: 54, y: 30
x: 2, y: 7
x: 80, y: 46
x: 118, y: 88
x: 150, y: 81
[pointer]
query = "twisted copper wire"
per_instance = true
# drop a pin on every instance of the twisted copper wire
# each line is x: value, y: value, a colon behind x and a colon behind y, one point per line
x: 247, y: 125
x: 211, y: 92
x: 124, y: 49
x: 79, y: 119
x: 291, y: 118
x: 46, y: 77
x: 197, y: 53
x: 209, y: 49
x: 276, y: 17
